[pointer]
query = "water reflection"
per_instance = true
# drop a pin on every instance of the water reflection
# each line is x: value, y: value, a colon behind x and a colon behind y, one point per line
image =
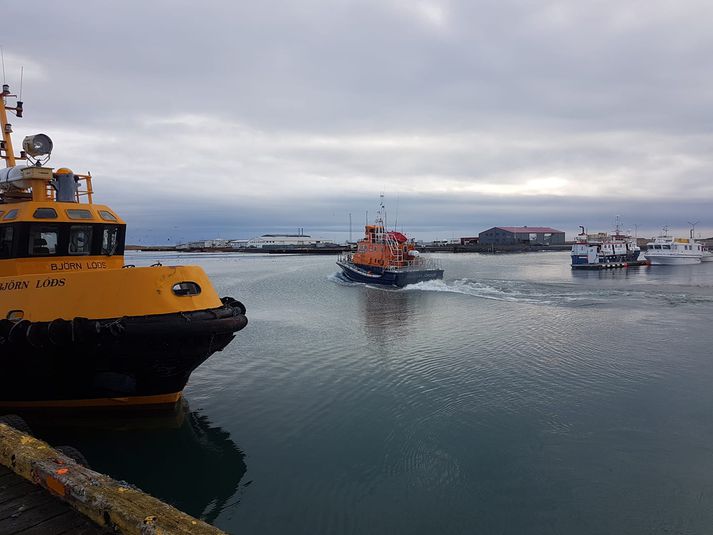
x: 179, y: 457
x: 387, y: 313
x: 608, y: 274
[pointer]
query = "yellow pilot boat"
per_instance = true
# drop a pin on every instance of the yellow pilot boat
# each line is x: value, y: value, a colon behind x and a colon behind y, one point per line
x: 79, y: 327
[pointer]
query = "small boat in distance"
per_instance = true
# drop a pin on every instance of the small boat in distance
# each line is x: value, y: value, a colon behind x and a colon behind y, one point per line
x: 387, y: 257
x: 666, y: 250
x: 79, y: 327
x: 602, y: 250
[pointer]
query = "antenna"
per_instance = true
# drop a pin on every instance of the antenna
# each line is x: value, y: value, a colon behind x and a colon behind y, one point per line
x: 350, y: 227
x: 693, y: 227
x: 396, y: 222
x: 382, y: 211
x: 22, y: 75
x: 2, y: 55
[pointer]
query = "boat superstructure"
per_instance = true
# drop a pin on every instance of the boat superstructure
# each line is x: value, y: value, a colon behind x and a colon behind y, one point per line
x: 79, y: 327
x: 387, y: 257
x: 667, y: 250
x: 601, y: 250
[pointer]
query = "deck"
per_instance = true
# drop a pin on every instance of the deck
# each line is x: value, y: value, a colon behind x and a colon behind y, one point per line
x: 29, y: 509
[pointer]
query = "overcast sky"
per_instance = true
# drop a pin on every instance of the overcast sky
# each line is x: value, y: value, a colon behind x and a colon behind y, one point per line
x: 234, y: 118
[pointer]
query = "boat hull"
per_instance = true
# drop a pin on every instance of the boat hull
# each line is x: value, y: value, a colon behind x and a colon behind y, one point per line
x: 581, y: 261
x: 388, y: 277
x: 126, y: 361
x: 670, y: 260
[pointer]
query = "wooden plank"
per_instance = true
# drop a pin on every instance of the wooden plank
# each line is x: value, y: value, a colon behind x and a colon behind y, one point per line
x: 5, y: 473
x: 37, y: 515
x: 5, y: 498
x: 87, y: 527
x: 23, y: 502
x: 11, y: 483
x: 68, y: 523
x: 27, y: 509
x: 16, y: 490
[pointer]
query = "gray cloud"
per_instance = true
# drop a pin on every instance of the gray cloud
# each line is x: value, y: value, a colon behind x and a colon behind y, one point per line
x: 234, y: 118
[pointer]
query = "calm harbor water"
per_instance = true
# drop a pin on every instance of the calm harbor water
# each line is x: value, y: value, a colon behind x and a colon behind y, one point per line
x: 515, y: 396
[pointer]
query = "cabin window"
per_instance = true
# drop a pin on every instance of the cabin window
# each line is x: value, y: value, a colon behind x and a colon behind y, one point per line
x: 110, y: 240
x: 45, y: 213
x: 6, y: 234
x: 12, y: 214
x: 43, y: 240
x: 665, y: 247
x: 106, y: 215
x: 80, y: 239
x: 79, y: 214
x: 186, y: 288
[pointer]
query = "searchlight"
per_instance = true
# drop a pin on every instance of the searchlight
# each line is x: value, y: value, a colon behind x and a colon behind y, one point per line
x: 37, y: 145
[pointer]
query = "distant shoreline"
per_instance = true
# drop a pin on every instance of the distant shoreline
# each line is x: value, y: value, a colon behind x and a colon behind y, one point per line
x: 450, y: 248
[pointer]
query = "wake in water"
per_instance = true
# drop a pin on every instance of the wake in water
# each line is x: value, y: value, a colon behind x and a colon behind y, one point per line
x: 551, y: 294
x: 516, y: 291
x: 519, y: 291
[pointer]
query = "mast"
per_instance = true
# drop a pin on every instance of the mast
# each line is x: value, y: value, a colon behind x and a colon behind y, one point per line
x: 6, y: 150
x: 693, y: 228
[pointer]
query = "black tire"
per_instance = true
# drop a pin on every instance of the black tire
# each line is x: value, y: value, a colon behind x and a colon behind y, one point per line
x: 13, y: 420
x: 234, y: 303
x: 74, y: 454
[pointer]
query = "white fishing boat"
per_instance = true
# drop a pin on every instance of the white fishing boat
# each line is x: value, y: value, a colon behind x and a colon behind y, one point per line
x: 669, y: 251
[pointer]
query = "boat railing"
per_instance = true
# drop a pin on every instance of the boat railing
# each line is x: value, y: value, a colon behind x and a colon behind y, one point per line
x: 345, y: 257
x: 418, y: 263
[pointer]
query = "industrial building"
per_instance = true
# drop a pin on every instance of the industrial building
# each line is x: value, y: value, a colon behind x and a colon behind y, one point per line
x: 521, y: 236
x: 286, y: 240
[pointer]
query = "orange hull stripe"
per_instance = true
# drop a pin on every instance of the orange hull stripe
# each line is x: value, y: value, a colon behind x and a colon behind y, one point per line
x: 161, y: 399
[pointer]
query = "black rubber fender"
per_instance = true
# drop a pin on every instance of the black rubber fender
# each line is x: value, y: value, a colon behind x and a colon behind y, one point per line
x: 16, y: 422
x: 37, y: 335
x: 59, y: 332
x: 5, y: 326
x: 18, y: 332
x: 74, y: 454
x: 116, y: 328
x: 84, y: 330
x: 178, y: 327
x: 234, y: 304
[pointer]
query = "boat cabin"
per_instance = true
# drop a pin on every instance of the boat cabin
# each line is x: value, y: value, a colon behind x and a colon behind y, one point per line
x: 38, y: 234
